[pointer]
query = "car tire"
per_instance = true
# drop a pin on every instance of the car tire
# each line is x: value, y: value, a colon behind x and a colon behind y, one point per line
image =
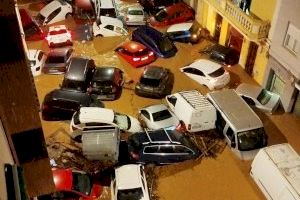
x: 99, y: 35
x: 78, y: 139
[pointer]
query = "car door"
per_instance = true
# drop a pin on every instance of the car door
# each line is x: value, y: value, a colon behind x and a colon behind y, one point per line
x: 145, y: 118
x: 108, y: 30
x: 167, y: 154
x: 182, y: 153
x: 195, y: 74
x: 150, y: 154
x: 120, y: 31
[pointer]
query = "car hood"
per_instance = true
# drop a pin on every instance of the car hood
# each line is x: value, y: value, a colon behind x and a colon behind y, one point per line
x: 55, y: 65
x: 135, y: 125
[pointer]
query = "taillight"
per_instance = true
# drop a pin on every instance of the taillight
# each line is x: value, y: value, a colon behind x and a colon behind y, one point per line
x: 136, y: 59
x: 189, y: 127
x: 151, y: 53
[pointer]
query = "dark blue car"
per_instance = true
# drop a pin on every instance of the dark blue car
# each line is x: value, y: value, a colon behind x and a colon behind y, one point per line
x: 154, y: 40
x: 163, y: 146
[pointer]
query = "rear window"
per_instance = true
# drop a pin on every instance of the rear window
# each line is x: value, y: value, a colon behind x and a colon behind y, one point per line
x: 165, y: 44
x: 56, y: 32
x: 150, y: 82
x: 55, y: 59
x: 162, y: 115
x: 217, y: 73
x: 135, y: 12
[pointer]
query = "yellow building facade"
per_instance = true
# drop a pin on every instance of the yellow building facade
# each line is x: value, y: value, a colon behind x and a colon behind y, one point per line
x: 246, y: 30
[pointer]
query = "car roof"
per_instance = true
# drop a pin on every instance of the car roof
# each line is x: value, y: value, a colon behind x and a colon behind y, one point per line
x: 96, y: 114
x: 221, y: 49
x: 159, y: 136
x: 68, y: 95
x: 59, y: 51
x: 155, y: 108
x: 180, y: 27
x: 249, y: 90
x: 149, y: 31
x: 58, y: 27
x: 77, y: 68
x: 112, y: 21
x: 104, y: 73
x: 206, y: 66
x: 107, y: 4
x: 63, y: 179
x: 153, y: 72
x: 132, y: 46
x: 135, y: 8
x: 50, y: 7
x: 128, y: 176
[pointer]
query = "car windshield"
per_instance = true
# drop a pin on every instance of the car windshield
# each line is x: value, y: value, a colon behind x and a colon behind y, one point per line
x: 217, y: 73
x: 165, y: 44
x: 132, y: 194
x: 161, y: 115
x: 184, y: 140
x: 161, y: 15
x: 56, y: 32
x: 264, y: 96
x: 82, y: 183
x: 76, y: 118
x: 122, y: 121
x: 252, y: 139
x: 150, y: 82
x: 135, y: 12
x: 55, y: 59
x: 72, y: 84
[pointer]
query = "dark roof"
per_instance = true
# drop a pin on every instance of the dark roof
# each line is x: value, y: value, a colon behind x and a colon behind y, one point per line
x: 149, y: 31
x: 76, y: 69
x: 104, y: 73
x: 154, y: 72
x: 59, y: 51
x: 222, y: 49
x: 68, y: 95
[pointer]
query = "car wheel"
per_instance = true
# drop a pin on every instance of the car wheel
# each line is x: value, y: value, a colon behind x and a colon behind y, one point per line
x: 78, y: 139
x: 99, y: 35
x: 68, y: 16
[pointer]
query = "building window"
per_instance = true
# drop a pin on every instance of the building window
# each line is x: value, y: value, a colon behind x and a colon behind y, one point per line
x: 292, y: 39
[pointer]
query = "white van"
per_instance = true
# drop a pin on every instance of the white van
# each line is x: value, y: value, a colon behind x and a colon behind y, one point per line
x: 190, y: 106
x: 238, y: 123
x: 276, y: 171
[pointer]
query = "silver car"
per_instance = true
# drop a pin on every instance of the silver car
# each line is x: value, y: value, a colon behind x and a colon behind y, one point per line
x: 135, y: 16
x: 259, y: 97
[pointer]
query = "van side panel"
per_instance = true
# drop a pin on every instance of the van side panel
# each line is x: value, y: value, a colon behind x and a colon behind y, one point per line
x: 203, y: 119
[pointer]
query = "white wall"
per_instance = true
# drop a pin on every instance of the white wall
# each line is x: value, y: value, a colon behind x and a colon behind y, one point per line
x: 288, y: 12
x: 5, y: 157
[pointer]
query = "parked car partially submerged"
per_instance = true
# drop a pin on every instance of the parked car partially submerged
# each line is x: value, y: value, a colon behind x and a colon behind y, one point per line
x: 60, y: 104
x: 55, y: 11
x: 185, y: 32
x: 134, y: 16
x: 99, y: 118
x: 136, y: 53
x: 109, y: 26
x: 36, y: 60
x: 154, y: 6
x: 162, y: 146
x: 222, y: 54
x: 155, y: 82
x: 173, y: 14
x: 158, y: 42
x: 157, y: 116
x: 57, y: 61
x: 259, y: 97
x: 75, y: 185
x: 59, y: 36
x: 207, y: 73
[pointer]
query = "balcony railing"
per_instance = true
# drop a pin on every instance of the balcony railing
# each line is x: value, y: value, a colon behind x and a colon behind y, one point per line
x: 250, y: 25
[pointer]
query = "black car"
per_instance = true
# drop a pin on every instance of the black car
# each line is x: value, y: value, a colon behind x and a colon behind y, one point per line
x: 155, y: 82
x: 158, y: 42
x: 107, y: 83
x: 79, y: 74
x: 162, y: 146
x: 60, y: 104
x: 222, y: 54
x: 153, y: 6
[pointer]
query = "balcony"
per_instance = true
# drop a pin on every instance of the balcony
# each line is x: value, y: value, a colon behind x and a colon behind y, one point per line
x: 250, y: 25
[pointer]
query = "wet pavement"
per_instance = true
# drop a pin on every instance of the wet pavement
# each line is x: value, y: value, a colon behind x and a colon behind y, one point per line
x: 223, y: 176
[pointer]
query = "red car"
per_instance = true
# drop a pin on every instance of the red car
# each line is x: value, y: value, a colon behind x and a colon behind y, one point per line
x: 73, y: 184
x: 136, y: 53
x: 176, y: 13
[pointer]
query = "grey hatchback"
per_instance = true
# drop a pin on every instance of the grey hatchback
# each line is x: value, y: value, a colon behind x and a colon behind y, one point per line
x: 57, y: 61
x: 155, y: 82
x: 161, y: 146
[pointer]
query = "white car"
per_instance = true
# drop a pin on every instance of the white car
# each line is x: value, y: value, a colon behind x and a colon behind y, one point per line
x: 94, y: 117
x: 157, y: 117
x: 129, y: 183
x: 36, y: 60
x: 58, y: 36
x: 109, y: 26
x: 55, y: 11
x: 259, y: 97
x: 208, y: 73
x: 135, y: 16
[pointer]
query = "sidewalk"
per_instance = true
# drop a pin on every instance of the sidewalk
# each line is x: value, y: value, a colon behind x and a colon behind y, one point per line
x: 280, y: 127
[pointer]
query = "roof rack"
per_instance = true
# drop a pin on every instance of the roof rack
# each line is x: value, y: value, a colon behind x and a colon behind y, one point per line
x: 195, y: 99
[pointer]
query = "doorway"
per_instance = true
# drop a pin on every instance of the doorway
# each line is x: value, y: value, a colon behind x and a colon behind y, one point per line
x: 277, y: 85
x: 218, y: 27
x: 235, y: 39
x: 251, y: 58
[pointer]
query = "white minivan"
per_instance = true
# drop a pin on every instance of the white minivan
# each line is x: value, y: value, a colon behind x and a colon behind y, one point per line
x: 193, y: 109
x: 275, y: 170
